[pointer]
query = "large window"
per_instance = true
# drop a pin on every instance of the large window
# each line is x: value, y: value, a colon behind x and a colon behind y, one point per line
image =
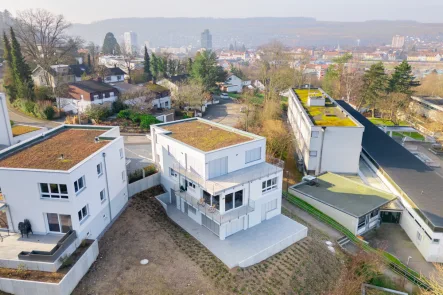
x: 53, y: 191
x: 238, y: 199
x: 59, y: 223
x: 229, y: 202
x: 269, y: 185
x: 253, y: 155
x: 83, y: 213
x: 212, y: 200
x: 79, y: 184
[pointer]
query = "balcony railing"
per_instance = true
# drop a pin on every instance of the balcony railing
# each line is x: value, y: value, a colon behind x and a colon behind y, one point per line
x: 213, y: 213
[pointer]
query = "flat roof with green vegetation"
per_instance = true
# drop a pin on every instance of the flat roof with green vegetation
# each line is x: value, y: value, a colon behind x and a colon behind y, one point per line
x: 329, y: 115
x: 74, y: 144
x: 351, y: 197
x: 18, y: 130
x: 204, y: 136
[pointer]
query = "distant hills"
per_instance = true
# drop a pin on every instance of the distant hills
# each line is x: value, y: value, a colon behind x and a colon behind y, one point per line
x: 294, y: 31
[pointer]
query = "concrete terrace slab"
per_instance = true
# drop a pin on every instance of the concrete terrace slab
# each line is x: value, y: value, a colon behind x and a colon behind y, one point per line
x: 14, y: 244
x: 246, y: 247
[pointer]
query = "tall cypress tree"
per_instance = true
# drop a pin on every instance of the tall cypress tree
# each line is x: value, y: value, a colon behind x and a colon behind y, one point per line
x: 147, y: 65
x: 9, y: 82
x: 155, y: 67
x: 21, y: 70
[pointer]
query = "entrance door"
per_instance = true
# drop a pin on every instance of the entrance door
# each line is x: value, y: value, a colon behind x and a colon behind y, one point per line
x: 59, y: 223
x: 390, y: 216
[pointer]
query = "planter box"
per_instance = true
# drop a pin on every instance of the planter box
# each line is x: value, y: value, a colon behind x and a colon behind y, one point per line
x: 64, y: 287
x: 143, y: 184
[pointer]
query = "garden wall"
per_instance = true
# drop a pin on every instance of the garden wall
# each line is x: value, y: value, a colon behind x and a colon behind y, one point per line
x: 64, y: 287
x: 144, y: 184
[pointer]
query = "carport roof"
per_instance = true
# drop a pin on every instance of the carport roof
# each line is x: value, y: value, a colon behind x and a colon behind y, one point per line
x: 346, y: 195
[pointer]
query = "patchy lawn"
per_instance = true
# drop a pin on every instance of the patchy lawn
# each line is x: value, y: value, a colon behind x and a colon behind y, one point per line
x: 413, y: 135
x: 385, y: 122
x: 18, y: 130
x: 179, y: 264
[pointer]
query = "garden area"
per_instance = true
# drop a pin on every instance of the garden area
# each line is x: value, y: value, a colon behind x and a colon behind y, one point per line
x: 142, y: 173
x: 386, y: 122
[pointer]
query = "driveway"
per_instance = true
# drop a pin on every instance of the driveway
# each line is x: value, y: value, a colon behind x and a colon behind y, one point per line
x: 20, y: 118
x: 227, y: 112
x: 138, y: 151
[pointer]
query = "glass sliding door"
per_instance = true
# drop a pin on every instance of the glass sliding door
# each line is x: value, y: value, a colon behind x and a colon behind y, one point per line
x: 59, y: 223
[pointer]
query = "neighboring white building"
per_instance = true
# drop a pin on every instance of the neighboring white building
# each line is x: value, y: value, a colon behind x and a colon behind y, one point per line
x: 217, y: 175
x: 131, y: 41
x: 328, y: 138
x: 418, y: 187
x: 114, y: 75
x: 233, y: 84
x: 428, y: 106
x: 6, y: 138
x: 72, y: 177
x: 398, y: 41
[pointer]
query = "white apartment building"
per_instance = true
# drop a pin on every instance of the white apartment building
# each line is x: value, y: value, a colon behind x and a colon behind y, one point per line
x: 217, y: 175
x: 131, y: 41
x: 6, y: 138
x: 71, y: 177
x: 328, y: 138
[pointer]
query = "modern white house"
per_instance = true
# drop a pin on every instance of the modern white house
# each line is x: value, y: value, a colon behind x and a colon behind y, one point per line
x: 72, y: 177
x: 418, y: 187
x: 219, y: 178
x: 354, y: 205
x: 328, y: 138
x: 6, y: 138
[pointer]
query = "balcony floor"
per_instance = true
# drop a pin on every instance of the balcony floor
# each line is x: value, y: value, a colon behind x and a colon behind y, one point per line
x: 13, y: 244
x: 246, y: 247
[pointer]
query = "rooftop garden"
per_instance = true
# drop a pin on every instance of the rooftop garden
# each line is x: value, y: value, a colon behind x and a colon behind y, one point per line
x: 18, y: 130
x: 203, y: 136
x: 329, y: 115
x: 62, y: 151
x: 386, y: 122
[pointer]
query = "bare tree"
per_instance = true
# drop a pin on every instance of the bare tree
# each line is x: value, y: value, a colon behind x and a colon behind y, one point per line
x: 128, y: 60
x: 139, y: 99
x: 435, y: 281
x: 43, y: 37
x: 191, y: 95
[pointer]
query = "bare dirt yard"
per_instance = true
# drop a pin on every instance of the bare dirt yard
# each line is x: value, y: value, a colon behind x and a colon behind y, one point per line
x: 179, y: 264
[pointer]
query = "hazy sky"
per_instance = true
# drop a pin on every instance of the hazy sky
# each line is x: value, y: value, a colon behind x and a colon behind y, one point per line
x: 85, y: 11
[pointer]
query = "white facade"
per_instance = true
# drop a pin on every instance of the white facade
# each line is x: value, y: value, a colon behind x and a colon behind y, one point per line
x: 162, y: 102
x: 114, y: 78
x: 234, y: 180
x: 325, y: 149
x: 75, y: 106
x: 103, y: 194
x: 5, y: 124
x: 234, y: 84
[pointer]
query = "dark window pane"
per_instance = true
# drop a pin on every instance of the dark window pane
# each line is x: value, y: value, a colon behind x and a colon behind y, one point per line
x: 55, y: 196
x: 263, y: 185
x: 64, y: 189
x: 216, y: 201
x: 44, y: 187
x: 45, y: 196
x: 75, y: 186
x: 207, y: 197
x: 80, y: 183
x: 53, y: 222
x: 54, y: 188
x: 229, y: 203
x: 238, y: 199
x: 84, y: 211
x: 64, y: 197
x: 66, y: 224
x: 269, y: 183
x: 80, y: 215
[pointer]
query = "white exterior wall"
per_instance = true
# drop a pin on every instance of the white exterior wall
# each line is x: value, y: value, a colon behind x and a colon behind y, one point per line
x: 338, y: 148
x: 160, y: 102
x: 114, y: 78
x: 5, y: 125
x: 236, y: 84
x: 75, y: 105
x: 21, y: 191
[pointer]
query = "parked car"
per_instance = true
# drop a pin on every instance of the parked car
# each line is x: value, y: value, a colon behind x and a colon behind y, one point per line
x: 224, y: 95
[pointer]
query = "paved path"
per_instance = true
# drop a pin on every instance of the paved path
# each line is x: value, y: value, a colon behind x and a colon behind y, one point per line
x: 311, y: 220
x: 227, y: 112
x: 20, y: 118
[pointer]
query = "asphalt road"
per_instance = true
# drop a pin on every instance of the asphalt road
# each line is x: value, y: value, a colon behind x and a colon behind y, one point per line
x: 138, y: 151
x: 227, y: 112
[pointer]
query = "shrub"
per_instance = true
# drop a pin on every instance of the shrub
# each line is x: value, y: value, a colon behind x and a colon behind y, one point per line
x: 147, y: 120
x: 136, y: 175
x: 124, y: 114
x: 118, y: 106
x: 42, y: 93
x: 97, y: 112
x: 11, y: 122
x: 44, y: 109
x: 135, y: 117
x: 150, y: 169
x: 49, y: 112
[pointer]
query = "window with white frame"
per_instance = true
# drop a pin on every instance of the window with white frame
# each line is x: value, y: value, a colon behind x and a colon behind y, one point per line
x: 269, y: 185
x: 83, y: 213
x: 313, y: 154
x: 436, y: 241
x: 102, y: 195
x: 191, y: 184
x: 121, y: 153
x: 79, y: 184
x: 53, y: 191
x: 252, y: 155
x: 99, y: 169
x: 173, y: 173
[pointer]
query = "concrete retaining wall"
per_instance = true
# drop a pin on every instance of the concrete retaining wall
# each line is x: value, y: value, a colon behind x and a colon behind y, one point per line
x: 65, y: 286
x: 164, y: 200
x: 143, y: 184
